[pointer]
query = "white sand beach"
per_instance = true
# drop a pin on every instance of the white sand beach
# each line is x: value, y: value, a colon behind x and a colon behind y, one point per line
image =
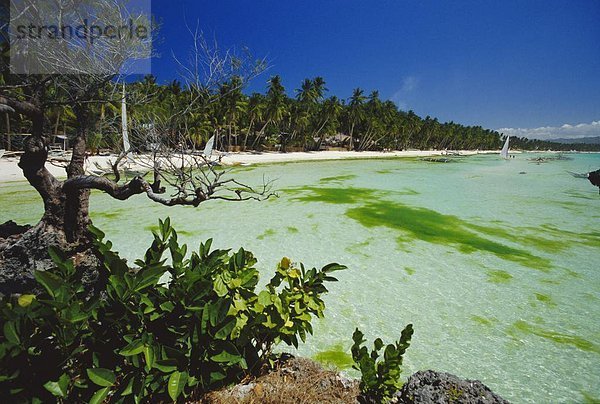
x: 10, y: 171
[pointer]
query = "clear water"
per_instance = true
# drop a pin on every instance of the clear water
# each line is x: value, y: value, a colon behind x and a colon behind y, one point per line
x: 498, y: 271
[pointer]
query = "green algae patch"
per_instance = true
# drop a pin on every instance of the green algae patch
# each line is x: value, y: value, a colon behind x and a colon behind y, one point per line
x: 409, y: 270
x: 339, y: 178
x: 267, y: 233
x: 580, y: 195
x: 588, y: 238
x: 407, y: 191
x: 547, y: 300
x: 556, y: 337
x: 238, y: 168
x: 357, y: 248
x: 499, y: 277
x: 185, y: 233
x: 483, y: 321
x: 112, y: 215
x: 434, y: 227
x: 519, y: 235
x: 342, y: 196
x: 550, y: 281
x: 292, y: 230
x: 335, y: 356
x: 589, y: 398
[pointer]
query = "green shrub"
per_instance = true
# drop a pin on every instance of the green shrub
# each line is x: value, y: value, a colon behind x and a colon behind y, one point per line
x: 141, y: 339
x: 380, y: 378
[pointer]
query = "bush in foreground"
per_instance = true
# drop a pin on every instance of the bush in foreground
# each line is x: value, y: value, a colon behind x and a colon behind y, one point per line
x: 380, y: 377
x: 140, y: 339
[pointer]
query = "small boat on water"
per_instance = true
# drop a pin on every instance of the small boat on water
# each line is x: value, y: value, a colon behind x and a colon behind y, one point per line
x: 2, y: 151
x: 504, y: 151
x: 208, y: 151
x: 209, y: 147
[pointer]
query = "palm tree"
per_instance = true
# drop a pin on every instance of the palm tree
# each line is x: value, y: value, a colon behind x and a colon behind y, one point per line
x: 233, y: 103
x: 355, y: 112
x: 254, y: 113
x: 275, y: 109
x: 329, y: 114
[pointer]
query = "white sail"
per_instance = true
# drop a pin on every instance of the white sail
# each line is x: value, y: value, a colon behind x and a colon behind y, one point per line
x: 209, y: 147
x: 504, y: 152
x: 126, y: 145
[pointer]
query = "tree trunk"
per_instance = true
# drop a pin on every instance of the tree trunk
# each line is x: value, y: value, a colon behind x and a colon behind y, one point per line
x: 248, y: 134
x: 8, y: 142
x: 351, y: 137
x: 65, y: 221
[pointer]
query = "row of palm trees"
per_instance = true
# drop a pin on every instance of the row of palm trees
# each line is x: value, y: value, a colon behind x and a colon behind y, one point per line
x: 308, y: 121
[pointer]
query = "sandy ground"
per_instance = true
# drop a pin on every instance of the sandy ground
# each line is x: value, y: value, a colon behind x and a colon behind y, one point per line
x: 9, y: 170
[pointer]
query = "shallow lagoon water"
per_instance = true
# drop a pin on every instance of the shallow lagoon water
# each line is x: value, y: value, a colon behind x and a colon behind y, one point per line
x: 498, y: 271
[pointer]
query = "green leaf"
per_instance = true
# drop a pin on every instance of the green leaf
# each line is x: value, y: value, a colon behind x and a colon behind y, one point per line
x: 49, y: 281
x: 100, y: 396
x: 264, y: 298
x: 148, y: 277
x: 96, y: 232
x: 228, y: 355
x: 25, y: 300
x: 177, y: 382
x: 167, y: 306
x: 55, y: 255
x: 59, y: 388
x: 102, y: 377
x: 134, y: 348
x: 219, y: 287
x: 217, y: 376
x: 224, y: 332
x: 128, y: 387
x: 10, y: 332
x: 166, y: 365
x: 333, y: 267
x: 149, y: 356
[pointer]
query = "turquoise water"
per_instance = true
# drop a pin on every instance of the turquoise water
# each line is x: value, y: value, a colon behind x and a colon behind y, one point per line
x: 497, y: 270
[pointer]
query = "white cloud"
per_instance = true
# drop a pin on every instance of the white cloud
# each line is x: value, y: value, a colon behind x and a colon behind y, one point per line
x: 409, y: 84
x: 565, y: 131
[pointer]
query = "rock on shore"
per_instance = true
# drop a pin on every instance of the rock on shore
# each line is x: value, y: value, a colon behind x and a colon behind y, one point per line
x: 431, y: 387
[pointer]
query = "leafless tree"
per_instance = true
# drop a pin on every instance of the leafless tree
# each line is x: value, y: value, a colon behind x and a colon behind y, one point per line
x: 77, y: 73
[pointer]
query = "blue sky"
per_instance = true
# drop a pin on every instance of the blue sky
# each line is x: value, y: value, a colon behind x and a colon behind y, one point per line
x: 498, y: 64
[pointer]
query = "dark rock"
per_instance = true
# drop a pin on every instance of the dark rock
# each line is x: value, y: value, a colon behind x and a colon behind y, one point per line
x: 594, y: 178
x: 431, y: 387
x: 10, y: 229
x: 21, y: 255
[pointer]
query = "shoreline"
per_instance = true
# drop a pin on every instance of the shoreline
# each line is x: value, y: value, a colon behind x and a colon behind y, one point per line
x: 10, y: 171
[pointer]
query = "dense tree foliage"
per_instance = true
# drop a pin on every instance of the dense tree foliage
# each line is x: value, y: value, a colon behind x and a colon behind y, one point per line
x: 535, y: 144
x: 308, y: 121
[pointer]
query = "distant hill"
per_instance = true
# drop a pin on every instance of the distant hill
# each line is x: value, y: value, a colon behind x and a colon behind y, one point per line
x: 586, y: 140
